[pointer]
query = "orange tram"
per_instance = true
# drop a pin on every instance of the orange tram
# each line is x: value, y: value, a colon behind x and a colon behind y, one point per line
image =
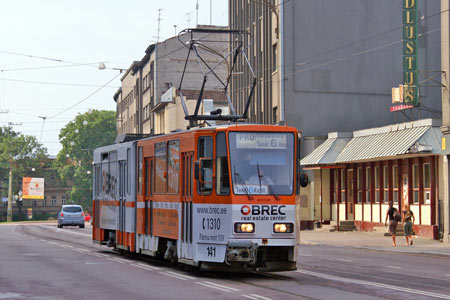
x: 218, y: 198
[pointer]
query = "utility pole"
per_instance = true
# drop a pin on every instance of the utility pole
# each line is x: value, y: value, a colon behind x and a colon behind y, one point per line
x: 445, y: 113
x: 9, y: 214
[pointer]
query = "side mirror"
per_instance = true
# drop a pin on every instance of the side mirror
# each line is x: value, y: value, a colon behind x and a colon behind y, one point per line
x: 303, y: 180
x: 197, y: 170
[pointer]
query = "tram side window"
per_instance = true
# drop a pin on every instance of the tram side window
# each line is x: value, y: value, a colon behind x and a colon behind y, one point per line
x: 140, y: 170
x: 205, y: 155
x: 222, y: 173
x: 105, y: 175
x: 113, y: 173
x: 173, y: 166
x: 161, y: 168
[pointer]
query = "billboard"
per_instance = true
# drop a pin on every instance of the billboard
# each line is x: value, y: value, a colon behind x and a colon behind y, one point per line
x: 33, y: 188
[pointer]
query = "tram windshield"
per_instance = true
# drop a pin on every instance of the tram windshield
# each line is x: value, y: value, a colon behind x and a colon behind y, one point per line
x: 262, y: 163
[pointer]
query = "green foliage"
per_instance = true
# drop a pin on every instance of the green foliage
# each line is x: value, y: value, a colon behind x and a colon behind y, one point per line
x: 21, y: 153
x: 79, y: 139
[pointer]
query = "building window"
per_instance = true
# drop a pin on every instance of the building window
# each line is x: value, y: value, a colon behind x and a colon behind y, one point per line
x: 63, y: 200
x: 415, y: 175
x: 359, y: 184
x: 5, y: 204
x: 44, y: 202
x: 368, y: 180
x: 426, y: 183
x: 34, y: 202
x: 395, y: 183
x: 53, y: 200
x: 386, y: 183
x: 377, y: 184
x: 335, y: 185
x: 343, y: 191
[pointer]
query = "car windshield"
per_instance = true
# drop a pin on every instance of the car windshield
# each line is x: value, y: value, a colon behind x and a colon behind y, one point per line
x: 72, y: 209
x: 262, y: 163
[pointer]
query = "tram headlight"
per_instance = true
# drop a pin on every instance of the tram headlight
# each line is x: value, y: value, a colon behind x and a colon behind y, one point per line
x: 283, y: 228
x: 244, y: 227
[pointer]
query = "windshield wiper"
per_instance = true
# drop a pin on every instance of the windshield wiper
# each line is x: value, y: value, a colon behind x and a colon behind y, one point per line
x: 259, y: 177
x: 269, y: 186
x: 237, y: 177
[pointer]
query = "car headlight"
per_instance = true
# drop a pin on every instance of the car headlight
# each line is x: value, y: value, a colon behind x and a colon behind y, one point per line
x: 283, y: 228
x: 244, y: 227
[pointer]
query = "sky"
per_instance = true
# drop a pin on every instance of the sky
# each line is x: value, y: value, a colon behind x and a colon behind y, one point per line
x: 50, y: 51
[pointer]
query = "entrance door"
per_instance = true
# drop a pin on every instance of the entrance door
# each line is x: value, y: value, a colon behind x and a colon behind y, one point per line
x: 350, y: 206
x: 122, y: 199
x: 186, y: 206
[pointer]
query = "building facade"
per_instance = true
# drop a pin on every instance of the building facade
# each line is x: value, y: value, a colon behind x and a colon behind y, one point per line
x: 261, y: 20
x: 139, y: 106
x: 358, y: 173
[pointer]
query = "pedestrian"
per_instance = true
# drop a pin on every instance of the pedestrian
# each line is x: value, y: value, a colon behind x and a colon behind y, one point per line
x: 391, y: 212
x: 407, y: 222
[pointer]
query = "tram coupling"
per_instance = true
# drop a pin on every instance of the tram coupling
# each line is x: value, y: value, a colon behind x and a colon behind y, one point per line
x: 241, y: 251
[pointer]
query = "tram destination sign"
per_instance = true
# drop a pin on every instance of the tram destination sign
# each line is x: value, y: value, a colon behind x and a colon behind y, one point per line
x: 261, y: 140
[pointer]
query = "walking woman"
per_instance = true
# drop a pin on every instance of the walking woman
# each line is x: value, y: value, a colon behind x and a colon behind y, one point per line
x: 408, y: 221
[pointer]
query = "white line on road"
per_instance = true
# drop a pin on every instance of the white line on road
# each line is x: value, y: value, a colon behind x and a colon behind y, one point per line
x: 447, y: 274
x: 116, y: 260
x: 182, y: 275
x: 381, y: 285
x: 104, y: 255
x: 214, y: 287
x: 222, y: 286
x: 346, y: 260
x: 84, y: 250
x: 147, y: 266
x: 256, y: 297
x: 394, y: 267
x: 175, y: 276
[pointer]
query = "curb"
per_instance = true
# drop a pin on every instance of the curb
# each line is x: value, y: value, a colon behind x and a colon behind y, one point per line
x: 422, y: 253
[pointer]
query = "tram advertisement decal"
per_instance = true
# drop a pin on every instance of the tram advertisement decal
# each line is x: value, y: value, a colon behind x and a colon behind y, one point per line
x: 109, y: 215
x: 212, y: 223
x: 166, y: 223
x: 261, y: 140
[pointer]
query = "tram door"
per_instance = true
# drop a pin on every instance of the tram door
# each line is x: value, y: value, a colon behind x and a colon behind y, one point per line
x: 186, y: 205
x: 122, y: 199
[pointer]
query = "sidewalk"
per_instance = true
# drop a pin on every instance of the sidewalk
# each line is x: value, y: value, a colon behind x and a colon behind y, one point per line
x: 374, y: 241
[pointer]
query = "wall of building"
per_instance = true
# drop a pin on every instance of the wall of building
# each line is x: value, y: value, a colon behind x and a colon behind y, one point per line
x: 343, y: 57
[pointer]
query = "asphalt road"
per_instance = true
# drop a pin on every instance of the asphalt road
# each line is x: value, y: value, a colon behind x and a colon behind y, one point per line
x: 40, y: 261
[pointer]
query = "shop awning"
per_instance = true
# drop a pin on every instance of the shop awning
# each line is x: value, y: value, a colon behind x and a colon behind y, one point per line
x: 423, y: 136
x: 328, y: 151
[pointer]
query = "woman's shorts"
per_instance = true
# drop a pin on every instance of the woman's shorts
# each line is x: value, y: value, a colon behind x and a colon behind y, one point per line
x: 408, y: 228
x: 392, y: 227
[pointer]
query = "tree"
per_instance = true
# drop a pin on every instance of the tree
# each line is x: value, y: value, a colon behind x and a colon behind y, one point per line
x: 79, y: 139
x: 18, y: 154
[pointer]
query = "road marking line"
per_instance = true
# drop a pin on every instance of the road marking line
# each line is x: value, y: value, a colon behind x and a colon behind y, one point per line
x: 346, y: 260
x: 222, y: 286
x: 394, y: 267
x: 302, y: 254
x: 114, y: 259
x: 98, y: 255
x: 214, y: 287
x: 119, y: 259
x: 104, y: 255
x: 42, y: 240
x: 447, y: 274
x: 381, y: 285
x: 147, y: 266
x: 84, y: 250
x: 182, y: 275
x: 171, y: 275
x: 260, y: 297
x: 142, y: 267
x: 249, y: 297
x: 78, y: 250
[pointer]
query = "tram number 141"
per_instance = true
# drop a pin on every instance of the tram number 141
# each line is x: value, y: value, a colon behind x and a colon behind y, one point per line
x: 211, y: 251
